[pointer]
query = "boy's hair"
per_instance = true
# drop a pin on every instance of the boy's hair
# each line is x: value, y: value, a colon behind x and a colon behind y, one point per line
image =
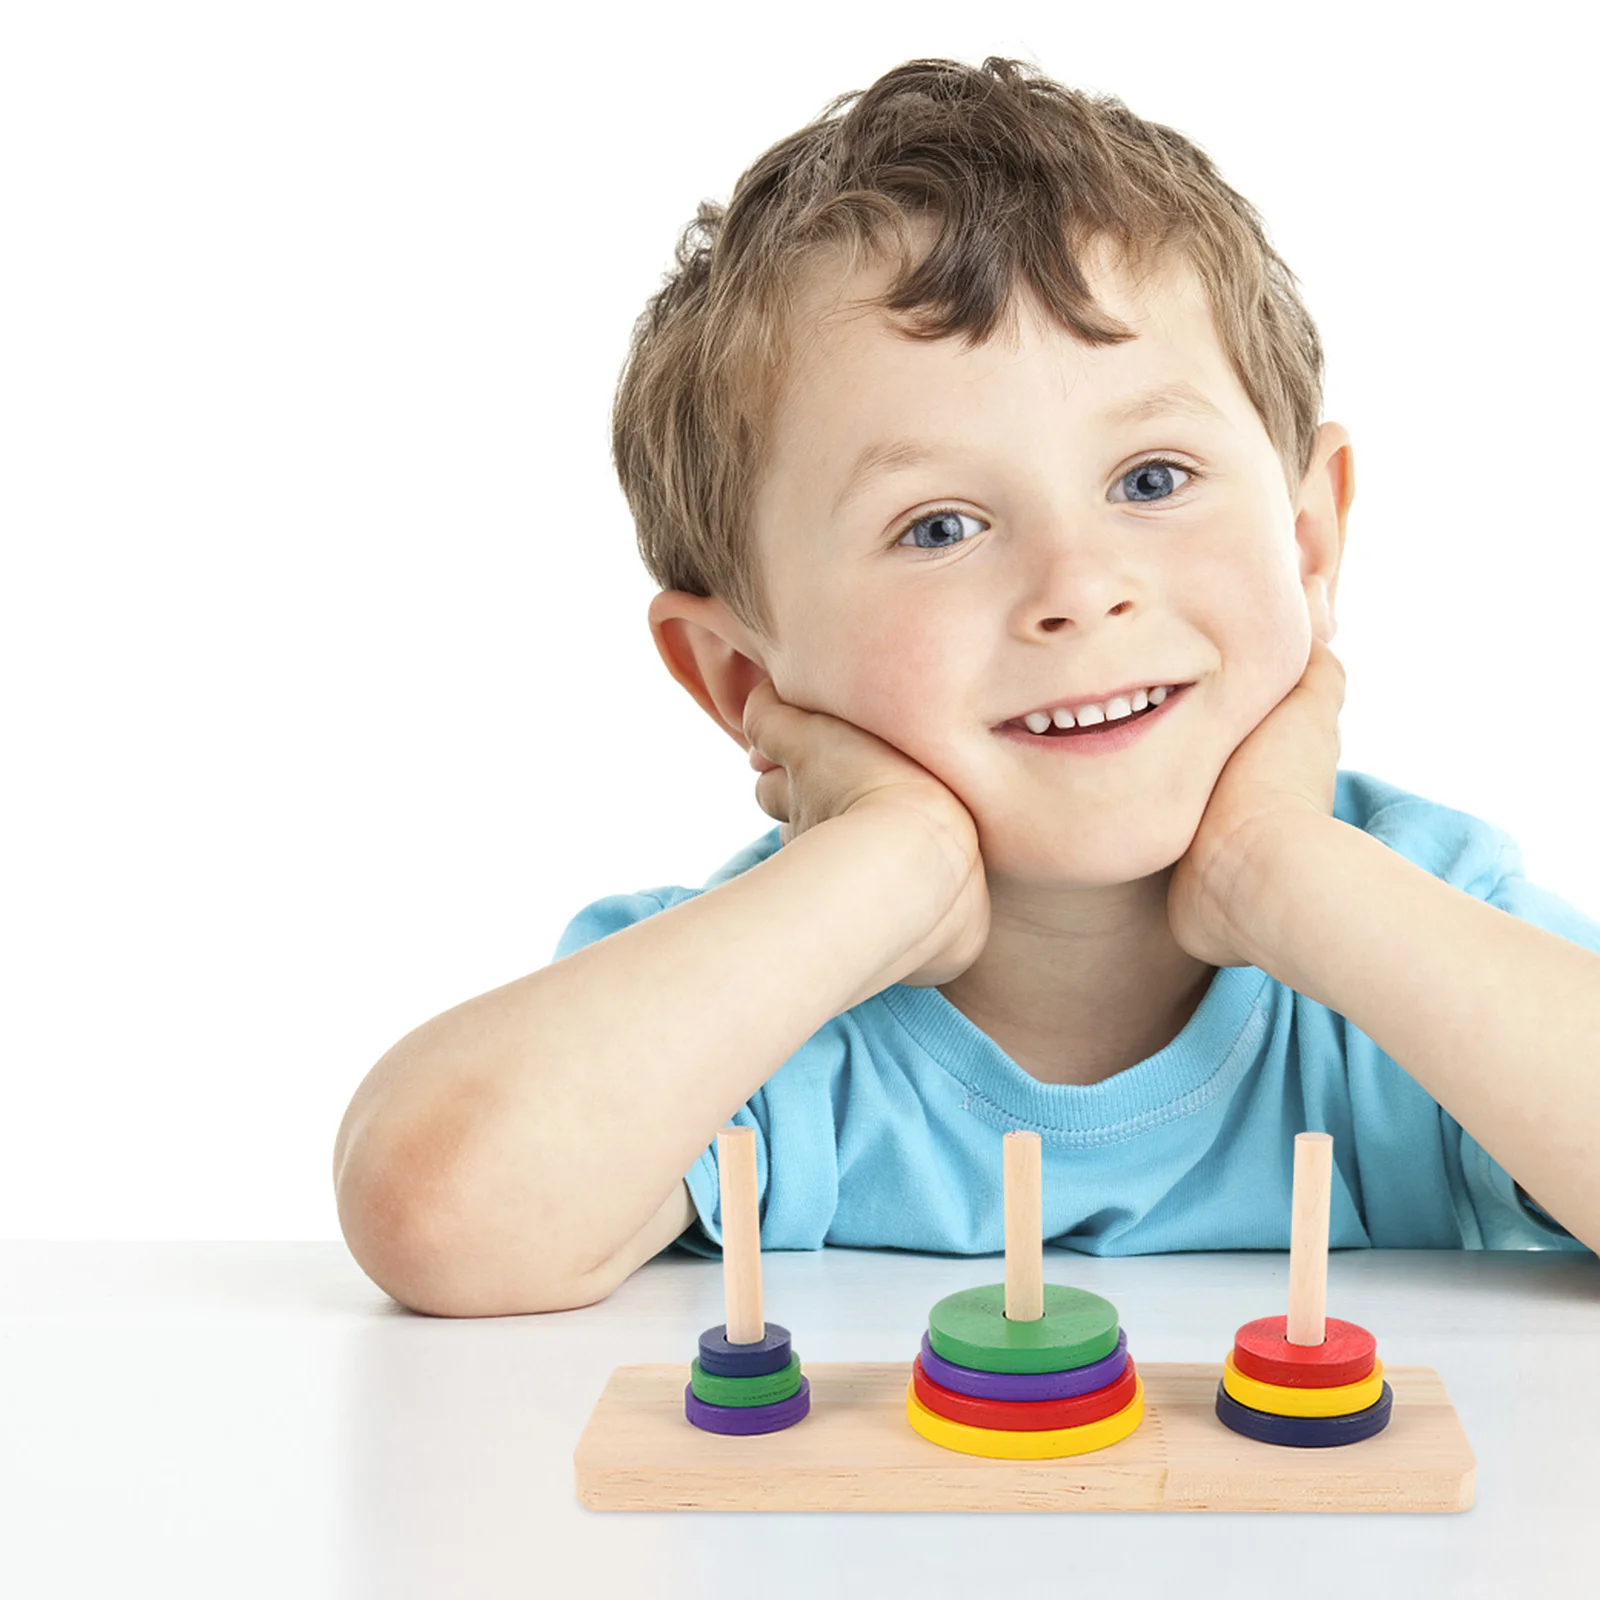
x: 1024, y: 175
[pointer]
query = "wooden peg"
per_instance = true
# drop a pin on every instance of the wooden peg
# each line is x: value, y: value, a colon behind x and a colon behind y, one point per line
x: 741, y: 1234
x: 1308, y: 1238
x: 1024, y: 1228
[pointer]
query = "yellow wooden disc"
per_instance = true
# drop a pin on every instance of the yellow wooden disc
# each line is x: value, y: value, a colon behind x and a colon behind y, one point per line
x: 1025, y: 1444
x: 1281, y: 1401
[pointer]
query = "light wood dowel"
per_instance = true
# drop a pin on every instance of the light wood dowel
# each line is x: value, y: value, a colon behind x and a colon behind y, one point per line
x: 1024, y: 1228
x: 1308, y: 1238
x: 741, y: 1234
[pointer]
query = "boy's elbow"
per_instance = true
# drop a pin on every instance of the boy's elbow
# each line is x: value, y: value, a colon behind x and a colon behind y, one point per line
x: 423, y: 1251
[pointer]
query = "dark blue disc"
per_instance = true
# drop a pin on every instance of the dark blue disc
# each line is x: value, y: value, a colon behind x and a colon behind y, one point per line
x: 748, y: 1419
x: 726, y: 1360
x: 1305, y: 1432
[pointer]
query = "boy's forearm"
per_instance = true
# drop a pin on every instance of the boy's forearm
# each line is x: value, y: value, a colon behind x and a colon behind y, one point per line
x: 546, y: 1121
x: 1497, y: 1019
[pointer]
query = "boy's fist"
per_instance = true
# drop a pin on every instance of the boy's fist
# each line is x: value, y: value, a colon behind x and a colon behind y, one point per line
x: 814, y: 767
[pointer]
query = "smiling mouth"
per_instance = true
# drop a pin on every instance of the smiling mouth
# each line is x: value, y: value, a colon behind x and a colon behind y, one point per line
x: 1019, y: 725
x: 1053, y: 732
x: 1110, y: 735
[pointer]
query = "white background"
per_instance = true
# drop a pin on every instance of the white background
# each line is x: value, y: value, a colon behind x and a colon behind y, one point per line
x: 328, y: 695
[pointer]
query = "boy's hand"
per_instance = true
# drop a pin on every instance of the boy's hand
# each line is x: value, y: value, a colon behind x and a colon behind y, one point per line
x: 1284, y: 771
x: 814, y: 767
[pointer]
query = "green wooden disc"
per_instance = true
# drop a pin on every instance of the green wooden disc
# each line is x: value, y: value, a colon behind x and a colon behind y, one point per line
x: 971, y: 1329
x: 767, y: 1390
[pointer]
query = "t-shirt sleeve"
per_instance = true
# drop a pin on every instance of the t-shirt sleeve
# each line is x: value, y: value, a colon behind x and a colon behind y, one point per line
x: 1509, y: 1217
x: 792, y: 1113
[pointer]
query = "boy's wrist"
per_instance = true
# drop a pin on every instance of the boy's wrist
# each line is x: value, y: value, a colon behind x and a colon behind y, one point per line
x: 897, y: 874
x: 1271, y: 885
x: 929, y: 853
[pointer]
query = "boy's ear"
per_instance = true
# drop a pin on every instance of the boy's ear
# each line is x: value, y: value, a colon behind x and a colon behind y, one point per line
x: 711, y: 653
x: 1326, y: 491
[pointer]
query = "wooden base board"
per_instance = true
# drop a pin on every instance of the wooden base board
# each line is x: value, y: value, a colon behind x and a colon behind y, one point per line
x: 856, y: 1451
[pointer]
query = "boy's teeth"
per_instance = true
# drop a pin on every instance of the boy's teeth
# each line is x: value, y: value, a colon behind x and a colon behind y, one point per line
x: 1087, y: 716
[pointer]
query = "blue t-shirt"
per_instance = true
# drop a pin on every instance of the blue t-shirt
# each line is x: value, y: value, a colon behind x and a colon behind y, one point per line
x: 885, y: 1129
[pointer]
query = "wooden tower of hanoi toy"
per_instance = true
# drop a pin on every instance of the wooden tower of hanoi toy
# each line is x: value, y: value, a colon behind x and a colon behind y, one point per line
x: 1025, y: 1397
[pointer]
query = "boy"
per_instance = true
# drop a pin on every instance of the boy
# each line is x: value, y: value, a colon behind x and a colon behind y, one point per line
x: 975, y: 451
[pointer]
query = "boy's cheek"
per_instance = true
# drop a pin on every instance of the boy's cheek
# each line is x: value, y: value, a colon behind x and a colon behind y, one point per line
x: 1269, y: 653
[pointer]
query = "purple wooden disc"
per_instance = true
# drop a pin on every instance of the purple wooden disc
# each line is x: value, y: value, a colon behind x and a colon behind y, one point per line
x: 748, y: 1419
x: 1026, y: 1385
x: 723, y: 1360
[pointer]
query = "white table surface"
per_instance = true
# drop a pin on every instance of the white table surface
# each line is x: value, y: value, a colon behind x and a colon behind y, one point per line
x: 235, y: 1420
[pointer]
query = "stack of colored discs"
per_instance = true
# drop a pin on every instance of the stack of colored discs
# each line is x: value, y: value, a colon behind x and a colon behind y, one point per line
x: 746, y: 1388
x: 1308, y: 1395
x: 1060, y: 1385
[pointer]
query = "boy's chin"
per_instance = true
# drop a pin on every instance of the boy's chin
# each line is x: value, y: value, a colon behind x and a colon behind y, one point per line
x: 1063, y: 860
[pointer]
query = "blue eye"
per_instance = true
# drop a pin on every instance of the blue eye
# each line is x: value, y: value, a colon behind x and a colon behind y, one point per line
x: 1152, y: 480
x: 1155, y: 476
x: 944, y: 536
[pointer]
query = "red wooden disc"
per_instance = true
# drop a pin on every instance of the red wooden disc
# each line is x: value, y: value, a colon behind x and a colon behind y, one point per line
x: 1347, y: 1354
x: 1025, y: 1416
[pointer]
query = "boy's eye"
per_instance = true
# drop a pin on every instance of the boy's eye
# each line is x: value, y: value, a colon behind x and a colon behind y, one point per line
x: 1151, y: 481
x: 944, y: 530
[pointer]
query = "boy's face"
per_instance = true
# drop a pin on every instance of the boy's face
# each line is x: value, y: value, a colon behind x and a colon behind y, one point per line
x: 1064, y: 572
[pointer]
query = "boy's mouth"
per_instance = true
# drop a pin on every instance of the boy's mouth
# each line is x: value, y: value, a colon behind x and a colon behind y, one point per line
x: 1141, y: 705
x: 1053, y: 732
x: 1100, y: 736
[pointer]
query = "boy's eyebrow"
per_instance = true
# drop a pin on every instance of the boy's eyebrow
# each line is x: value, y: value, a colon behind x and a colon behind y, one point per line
x: 1180, y: 398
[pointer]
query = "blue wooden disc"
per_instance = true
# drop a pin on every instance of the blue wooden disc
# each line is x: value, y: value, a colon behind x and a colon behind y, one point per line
x: 1305, y: 1432
x: 1025, y: 1386
x: 724, y: 1360
x: 747, y: 1419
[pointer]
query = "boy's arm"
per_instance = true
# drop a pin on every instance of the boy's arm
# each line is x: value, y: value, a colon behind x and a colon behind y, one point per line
x: 526, y: 1150
x: 1497, y: 1019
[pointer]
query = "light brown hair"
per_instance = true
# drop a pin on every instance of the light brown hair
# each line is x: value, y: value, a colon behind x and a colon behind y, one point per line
x: 1023, y: 176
